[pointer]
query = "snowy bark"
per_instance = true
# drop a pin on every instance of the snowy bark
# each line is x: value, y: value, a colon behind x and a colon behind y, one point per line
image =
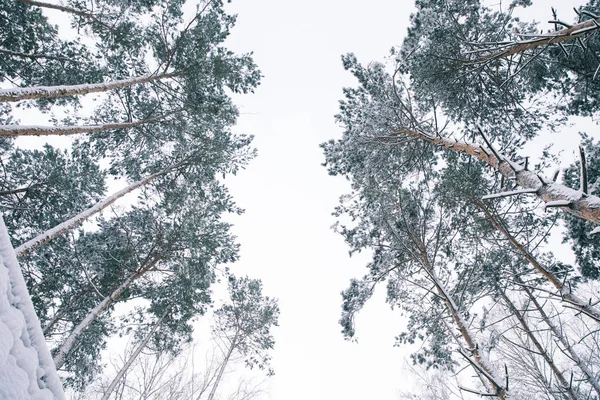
x: 579, y: 204
x: 67, y: 345
x: 28, y: 130
x: 43, y: 92
x: 71, y: 223
x: 558, y: 333
x: 26, y: 367
x: 480, y: 362
x: 133, y: 356
x: 564, y: 291
x: 213, y: 390
x: 541, y: 350
x: 545, y: 39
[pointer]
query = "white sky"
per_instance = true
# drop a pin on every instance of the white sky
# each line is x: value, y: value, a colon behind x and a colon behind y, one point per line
x: 288, y: 196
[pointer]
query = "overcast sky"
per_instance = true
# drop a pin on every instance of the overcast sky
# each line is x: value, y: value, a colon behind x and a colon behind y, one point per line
x: 288, y: 196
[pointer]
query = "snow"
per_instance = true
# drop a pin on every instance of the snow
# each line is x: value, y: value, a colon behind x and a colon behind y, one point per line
x: 26, y: 367
x: 509, y: 193
x: 596, y: 231
x: 558, y: 203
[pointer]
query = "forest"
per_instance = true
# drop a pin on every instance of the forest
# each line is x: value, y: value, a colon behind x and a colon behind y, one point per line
x: 119, y: 137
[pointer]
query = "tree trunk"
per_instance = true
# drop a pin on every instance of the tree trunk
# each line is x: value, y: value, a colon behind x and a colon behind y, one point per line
x: 462, y: 326
x: 133, y: 356
x: 67, y: 345
x: 546, y: 39
x: 554, y: 195
x: 590, y: 377
x: 25, y: 130
x: 25, y: 361
x: 213, y: 390
x: 44, y: 92
x: 71, y: 223
x: 564, y: 384
x: 564, y: 291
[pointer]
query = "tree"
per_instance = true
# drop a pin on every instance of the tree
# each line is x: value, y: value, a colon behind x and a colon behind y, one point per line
x: 451, y: 224
x: 243, y: 326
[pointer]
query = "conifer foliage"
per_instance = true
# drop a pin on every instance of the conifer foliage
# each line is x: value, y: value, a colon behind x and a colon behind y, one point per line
x: 160, y: 126
x: 455, y: 215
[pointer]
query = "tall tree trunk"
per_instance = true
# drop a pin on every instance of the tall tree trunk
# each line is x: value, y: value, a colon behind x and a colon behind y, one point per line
x: 564, y: 291
x: 478, y: 361
x: 25, y: 360
x: 134, y: 355
x: 44, y: 92
x: 213, y: 390
x: 558, y: 333
x: 26, y: 130
x: 579, y: 204
x: 545, y: 39
x: 541, y: 350
x: 71, y: 223
x: 67, y: 344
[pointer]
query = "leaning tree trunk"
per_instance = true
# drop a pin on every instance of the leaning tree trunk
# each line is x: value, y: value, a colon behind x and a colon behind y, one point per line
x: 546, y: 39
x: 67, y: 345
x: 73, y: 222
x: 577, y: 203
x: 564, y: 291
x: 27, y: 130
x: 44, y: 92
x: 134, y: 355
x: 213, y: 390
x: 26, y: 366
x: 559, y: 334
x: 541, y: 350
x: 474, y: 357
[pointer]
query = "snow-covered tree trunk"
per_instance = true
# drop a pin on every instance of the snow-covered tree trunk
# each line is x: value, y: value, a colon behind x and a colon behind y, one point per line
x: 71, y: 223
x: 26, y: 367
x: 67, y: 345
x: 44, y: 92
x: 558, y: 333
x: 553, y: 194
x: 546, y: 39
x: 475, y: 357
x: 564, y: 290
x: 28, y: 130
x: 133, y: 356
x: 213, y: 390
x: 539, y: 348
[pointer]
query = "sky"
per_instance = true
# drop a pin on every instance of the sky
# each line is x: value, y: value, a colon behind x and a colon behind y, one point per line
x: 289, y: 197
x: 285, y: 234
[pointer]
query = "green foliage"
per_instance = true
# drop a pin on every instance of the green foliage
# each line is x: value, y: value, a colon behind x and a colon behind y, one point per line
x: 245, y: 323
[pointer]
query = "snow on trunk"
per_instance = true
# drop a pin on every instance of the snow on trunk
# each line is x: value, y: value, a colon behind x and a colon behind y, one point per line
x: 134, y: 356
x: 26, y: 367
x: 547, y: 39
x: 67, y: 345
x: 558, y: 333
x: 32, y: 130
x: 44, y: 92
x: 564, y: 290
x: 575, y: 202
x: 71, y: 223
